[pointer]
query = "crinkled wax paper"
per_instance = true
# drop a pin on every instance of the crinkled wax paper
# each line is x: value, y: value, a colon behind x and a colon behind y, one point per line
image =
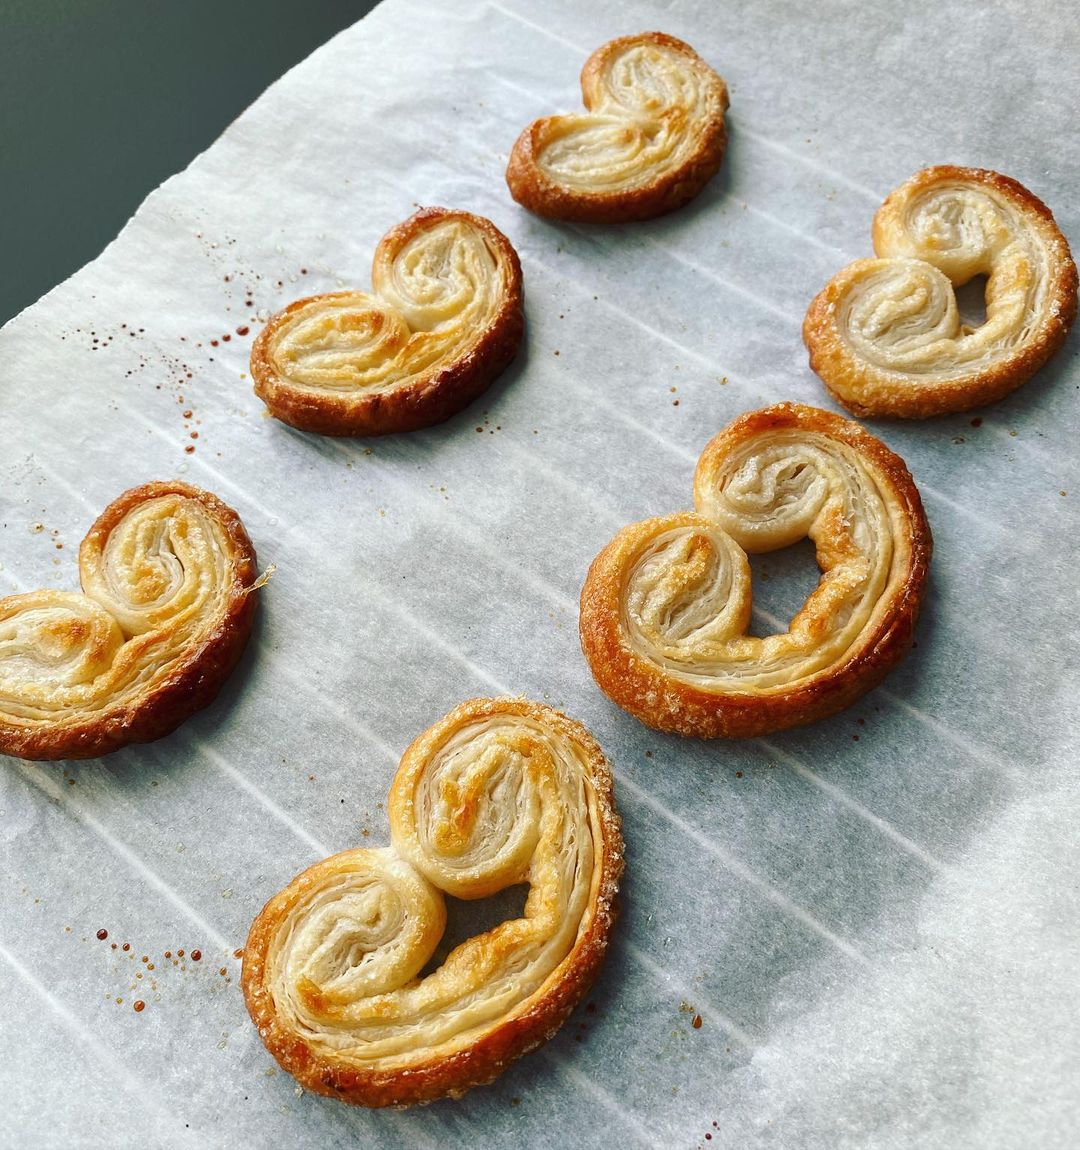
x: 876, y: 918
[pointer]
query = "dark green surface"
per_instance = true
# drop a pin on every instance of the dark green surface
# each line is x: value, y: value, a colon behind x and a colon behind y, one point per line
x: 102, y: 100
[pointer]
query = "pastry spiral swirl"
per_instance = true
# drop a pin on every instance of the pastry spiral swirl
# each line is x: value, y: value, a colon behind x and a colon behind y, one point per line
x: 652, y: 137
x: 444, y: 318
x: 167, y: 572
x: 886, y: 335
x: 666, y: 605
x: 498, y: 792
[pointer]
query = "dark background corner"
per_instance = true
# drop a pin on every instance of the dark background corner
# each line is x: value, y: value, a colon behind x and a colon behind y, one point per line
x: 102, y: 102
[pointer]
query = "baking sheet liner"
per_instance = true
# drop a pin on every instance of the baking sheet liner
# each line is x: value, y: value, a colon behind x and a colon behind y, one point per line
x: 875, y: 918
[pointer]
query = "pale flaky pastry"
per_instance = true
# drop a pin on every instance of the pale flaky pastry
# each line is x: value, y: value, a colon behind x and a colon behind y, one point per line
x: 444, y: 317
x: 666, y: 605
x: 499, y: 792
x: 652, y: 137
x: 886, y: 335
x: 167, y: 573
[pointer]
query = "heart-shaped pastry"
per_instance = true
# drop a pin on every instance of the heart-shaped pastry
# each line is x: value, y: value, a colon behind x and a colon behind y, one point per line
x: 497, y: 793
x: 443, y: 319
x: 886, y: 335
x: 666, y: 605
x: 652, y: 137
x: 167, y: 573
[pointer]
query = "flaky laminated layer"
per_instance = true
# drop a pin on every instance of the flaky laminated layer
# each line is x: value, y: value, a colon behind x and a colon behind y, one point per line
x: 443, y: 318
x: 652, y: 136
x: 886, y: 334
x: 497, y: 793
x: 164, y: 613
x: 666, y: 605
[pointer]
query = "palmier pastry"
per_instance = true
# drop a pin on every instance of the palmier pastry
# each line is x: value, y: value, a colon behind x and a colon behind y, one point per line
x: 167, y: 573
x: 886, y: 335
x: 666, y: 604
x: 652, y: 137
x: 499, y: 792
x: 443, y: 319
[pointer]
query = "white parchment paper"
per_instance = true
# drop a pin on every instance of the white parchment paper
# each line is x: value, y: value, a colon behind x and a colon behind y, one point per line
x: 876, y: 918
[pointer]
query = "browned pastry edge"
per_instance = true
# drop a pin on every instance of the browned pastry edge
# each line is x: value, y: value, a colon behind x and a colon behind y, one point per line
x: 831, y: 357
x: 195, y: 680
x: 649, y: 693
x: 432, y: 397
x: 482, y: 1062
x: 534, y: 189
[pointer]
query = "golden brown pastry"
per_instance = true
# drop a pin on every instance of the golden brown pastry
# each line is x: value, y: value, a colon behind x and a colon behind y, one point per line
x: 499, y: 792
x: 886, y: 336
x: 444, y: 317
x: 652, y: 138
x: 167, y: 573
x: 666, y: 604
